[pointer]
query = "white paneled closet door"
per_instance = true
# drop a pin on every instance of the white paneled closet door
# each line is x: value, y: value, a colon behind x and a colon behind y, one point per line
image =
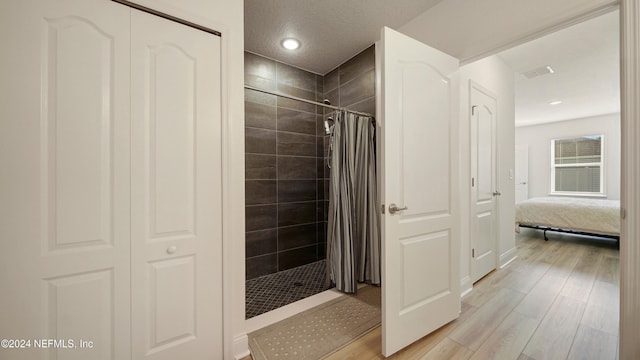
x: 110, y: 184
x: 65, y: 185
x: 176, y: 191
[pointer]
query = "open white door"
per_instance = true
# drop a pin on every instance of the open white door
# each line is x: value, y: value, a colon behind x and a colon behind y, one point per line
x: 419, y: 150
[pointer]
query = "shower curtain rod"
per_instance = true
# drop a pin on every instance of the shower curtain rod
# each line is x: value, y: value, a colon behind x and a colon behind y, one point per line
x: 306, y: 101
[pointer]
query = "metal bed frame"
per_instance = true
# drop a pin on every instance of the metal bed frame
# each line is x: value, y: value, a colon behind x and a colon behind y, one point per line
x: 548, y: 228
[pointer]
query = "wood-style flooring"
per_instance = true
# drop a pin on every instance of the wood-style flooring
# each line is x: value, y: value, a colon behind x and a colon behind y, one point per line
x: 557, y: 300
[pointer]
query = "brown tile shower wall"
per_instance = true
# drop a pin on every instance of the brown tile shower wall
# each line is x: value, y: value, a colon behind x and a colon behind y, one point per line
x: 285, y: 157
x: 350, y: 85
x: 283, y: 150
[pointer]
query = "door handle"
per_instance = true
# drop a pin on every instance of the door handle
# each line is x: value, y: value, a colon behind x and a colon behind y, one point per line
x: 496, y: 193
x: 393, y: 208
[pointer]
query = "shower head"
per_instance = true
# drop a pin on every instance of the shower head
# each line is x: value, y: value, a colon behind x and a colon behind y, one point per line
x: 328, y: 123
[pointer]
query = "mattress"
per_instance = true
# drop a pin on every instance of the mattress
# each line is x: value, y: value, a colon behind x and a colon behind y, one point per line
x: 586, y: 215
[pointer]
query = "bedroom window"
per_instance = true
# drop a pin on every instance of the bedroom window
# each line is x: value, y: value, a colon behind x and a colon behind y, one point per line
x: 576, y: 165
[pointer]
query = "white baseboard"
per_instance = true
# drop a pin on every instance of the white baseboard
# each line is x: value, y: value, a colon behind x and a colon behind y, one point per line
x: 465, y: 286
x: 507, y: 257
x: 241, y: 346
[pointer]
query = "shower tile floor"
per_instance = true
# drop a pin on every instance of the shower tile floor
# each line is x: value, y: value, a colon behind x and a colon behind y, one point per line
x: 275, y: 290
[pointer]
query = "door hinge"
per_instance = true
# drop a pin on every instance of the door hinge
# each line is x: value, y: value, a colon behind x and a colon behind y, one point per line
x: 383, y: 208
x: 473, y: 109
x: 473, y: 182
x: 473, y: 253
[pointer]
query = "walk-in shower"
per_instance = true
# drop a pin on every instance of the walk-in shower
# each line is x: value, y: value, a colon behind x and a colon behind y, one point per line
x: 287, y: 178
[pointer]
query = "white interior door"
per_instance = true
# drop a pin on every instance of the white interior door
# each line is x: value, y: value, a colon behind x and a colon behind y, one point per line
x: 176, y: 248
x: 483, y: 212
x: 522, y: 173
x: 420, y: 273
x: 64, y: 266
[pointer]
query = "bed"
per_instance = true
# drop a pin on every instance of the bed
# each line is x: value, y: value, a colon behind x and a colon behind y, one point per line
x: 593, y: 217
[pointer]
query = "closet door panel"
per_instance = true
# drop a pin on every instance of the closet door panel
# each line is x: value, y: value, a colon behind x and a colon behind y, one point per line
x: 175, y: 315
x: 176, y: 191
x: 80, y: 308
x: 65, y: 138
x: 171, y: 105
x: 79, y: 139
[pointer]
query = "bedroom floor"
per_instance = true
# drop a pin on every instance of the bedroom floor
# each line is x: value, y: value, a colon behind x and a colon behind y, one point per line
x: 558, y: 300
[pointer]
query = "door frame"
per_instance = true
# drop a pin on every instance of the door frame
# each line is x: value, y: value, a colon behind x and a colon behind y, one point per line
x: 496, y: 173
x: 630, y: 166
x: 629, y: 343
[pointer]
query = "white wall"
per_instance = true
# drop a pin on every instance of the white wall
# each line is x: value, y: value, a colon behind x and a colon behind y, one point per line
x: 496, y: 76
x: 228, y: 18
x: 538, y: 139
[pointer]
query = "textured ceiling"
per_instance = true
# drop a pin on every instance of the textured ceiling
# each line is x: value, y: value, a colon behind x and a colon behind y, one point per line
x: 330, y: 31
x: 585, y: 58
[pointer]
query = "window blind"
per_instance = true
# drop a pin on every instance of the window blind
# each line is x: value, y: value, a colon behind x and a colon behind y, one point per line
x: 577, y: 164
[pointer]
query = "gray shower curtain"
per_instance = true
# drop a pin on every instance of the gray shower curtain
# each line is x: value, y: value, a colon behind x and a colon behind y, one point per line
x: 353, y: 229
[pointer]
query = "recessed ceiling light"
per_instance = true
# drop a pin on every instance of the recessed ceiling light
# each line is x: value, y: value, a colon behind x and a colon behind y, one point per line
x: 557, y: 102
x: 290, y: 44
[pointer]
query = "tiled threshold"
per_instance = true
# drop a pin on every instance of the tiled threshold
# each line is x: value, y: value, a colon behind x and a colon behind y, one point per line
x: 269, y: 292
